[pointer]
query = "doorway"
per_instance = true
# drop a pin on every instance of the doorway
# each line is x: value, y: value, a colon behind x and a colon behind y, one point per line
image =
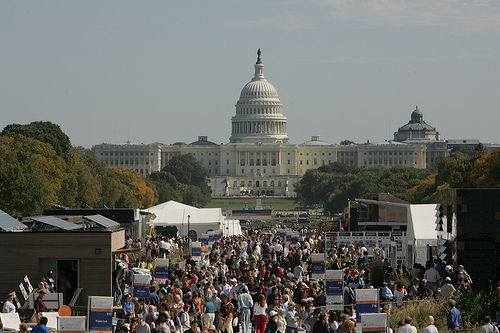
x: 68, y: 277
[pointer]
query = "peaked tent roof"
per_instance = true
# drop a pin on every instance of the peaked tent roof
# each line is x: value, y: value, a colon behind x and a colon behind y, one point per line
x: 172, y: 212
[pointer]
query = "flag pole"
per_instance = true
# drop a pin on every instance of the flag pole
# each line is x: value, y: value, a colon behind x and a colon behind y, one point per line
x: 349, y: 214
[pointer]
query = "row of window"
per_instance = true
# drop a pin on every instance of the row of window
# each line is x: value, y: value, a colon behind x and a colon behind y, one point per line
x: 257, y: 183
x: 126, y: 154
x: 125, y: 162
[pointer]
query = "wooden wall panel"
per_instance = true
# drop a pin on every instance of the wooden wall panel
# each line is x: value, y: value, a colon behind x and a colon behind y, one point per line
x: 21, y: 251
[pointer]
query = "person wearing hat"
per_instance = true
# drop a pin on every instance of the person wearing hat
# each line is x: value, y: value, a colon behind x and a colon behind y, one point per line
x: 292, y: 319
x: 212, y: 329
x: 447, y: 289
x: 51, y: 284
x: 40, y: 304
x: 8, y: 306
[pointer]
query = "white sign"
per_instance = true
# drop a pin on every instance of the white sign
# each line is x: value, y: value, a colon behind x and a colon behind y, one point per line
x: 71, y: 324
x: 375, y: 322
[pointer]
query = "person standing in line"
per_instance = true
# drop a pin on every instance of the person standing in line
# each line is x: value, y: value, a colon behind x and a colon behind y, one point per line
x: 245, y: 304
x: 259, y: 314
x: 408, y: 327
x: 292, y: 319
x: 430, y: 325
x: 454, y: 318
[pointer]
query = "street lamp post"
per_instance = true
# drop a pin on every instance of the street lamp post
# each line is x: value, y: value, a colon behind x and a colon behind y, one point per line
x: 189, y: 226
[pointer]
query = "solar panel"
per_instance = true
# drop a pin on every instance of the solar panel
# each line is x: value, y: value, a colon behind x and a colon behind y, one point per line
x: 103, y: 221
x: 8, y: 223
x: 57, y: 222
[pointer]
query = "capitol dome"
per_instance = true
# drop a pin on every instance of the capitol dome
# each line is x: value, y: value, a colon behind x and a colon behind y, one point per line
x: 416, y: 128
x: 259, y: 111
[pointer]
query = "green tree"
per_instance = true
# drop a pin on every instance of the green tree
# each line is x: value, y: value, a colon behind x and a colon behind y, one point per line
x: 44, y: 131
x: 188, y: 171
x: 31, y: 175
x: 167, y: 187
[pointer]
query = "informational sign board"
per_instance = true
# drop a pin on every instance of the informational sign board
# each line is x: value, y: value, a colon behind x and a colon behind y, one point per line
x: 196, y: 251
x: 250, y: 214
x: 141, y: 285
x: 100, y: 314
x: 28, y: 283
x: 375, y: 322
x: 366, y: 302
x: 318, y: 265
x: 211, y: 238
x: 334, y: 283
x: 161, y: 269
x: 204, y: 239
x: 23, y: 291
x: 75, y: 324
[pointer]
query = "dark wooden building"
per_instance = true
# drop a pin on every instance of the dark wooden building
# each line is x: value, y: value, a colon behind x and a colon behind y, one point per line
x: 79, y: 258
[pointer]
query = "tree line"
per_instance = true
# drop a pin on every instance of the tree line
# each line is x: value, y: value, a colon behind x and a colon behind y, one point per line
x: 332, y: 185
x: 40, y: 167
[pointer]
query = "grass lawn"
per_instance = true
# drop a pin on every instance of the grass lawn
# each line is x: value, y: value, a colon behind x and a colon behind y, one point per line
x: 239, y: 203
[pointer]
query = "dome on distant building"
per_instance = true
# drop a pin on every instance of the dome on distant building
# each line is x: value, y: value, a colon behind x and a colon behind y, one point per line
x: 316, y: 141
x: 259, y: 112
x: 416, y: 128
x: 203, y: 141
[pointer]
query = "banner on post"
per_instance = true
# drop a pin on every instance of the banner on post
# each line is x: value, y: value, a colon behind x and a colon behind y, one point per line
x: 204, y: 239
x: 196, y: 250
x: 375, y: 322
x: 161, y: 269
x: 141, y: 285
x: 100, y: 314
x: 366, y: 302
x: 334, y: 286
x: 318, y: 265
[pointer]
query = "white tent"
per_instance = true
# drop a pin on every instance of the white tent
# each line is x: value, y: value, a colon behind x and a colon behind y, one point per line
x: 421, y: 233
x: 200, y: 220
x: 231, y: 227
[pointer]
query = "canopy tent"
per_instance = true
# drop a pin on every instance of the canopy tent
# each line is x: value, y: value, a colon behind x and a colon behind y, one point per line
x: 182, y: 216
x: 421, y: 233
x: 231, y: 227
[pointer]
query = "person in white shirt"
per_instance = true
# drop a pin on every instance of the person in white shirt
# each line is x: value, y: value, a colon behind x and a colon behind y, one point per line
x: 430, y: 325
x: 408, y: 327
x: 8, y: 306
x: 400, y: 293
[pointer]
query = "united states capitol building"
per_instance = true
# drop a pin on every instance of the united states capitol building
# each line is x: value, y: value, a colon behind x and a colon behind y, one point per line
x: 259, y: 158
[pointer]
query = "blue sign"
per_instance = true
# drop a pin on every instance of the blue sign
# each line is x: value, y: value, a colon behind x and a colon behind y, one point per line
x: 334, y: 288
x: 161, y: 272
x: 141, y: 285
x: 101, y: 314
x: 365, y: 308
x: 101, y: 320
x: 196, y: 251
x: 318, y: 267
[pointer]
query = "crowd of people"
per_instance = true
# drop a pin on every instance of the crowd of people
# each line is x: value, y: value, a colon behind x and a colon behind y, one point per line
x: 256, y: 283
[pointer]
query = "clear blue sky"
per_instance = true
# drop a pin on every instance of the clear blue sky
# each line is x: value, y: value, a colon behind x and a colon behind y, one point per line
x: 167, y: 71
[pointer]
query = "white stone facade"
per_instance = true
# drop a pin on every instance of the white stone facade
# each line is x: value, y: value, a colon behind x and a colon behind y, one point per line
x: 259, y: 159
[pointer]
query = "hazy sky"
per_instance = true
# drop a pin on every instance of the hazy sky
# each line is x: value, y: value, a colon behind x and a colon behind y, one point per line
x: 167, y: 71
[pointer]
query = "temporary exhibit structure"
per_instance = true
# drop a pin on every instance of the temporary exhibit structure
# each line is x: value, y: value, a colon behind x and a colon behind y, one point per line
x: 421, y: 234
x: 190, y: 219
